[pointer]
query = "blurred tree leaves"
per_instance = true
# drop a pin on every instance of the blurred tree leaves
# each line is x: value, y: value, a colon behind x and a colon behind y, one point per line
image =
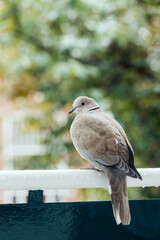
x: 54, y: 51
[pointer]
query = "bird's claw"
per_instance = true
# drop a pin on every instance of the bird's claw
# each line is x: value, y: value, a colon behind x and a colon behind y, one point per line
x: 91, y: 168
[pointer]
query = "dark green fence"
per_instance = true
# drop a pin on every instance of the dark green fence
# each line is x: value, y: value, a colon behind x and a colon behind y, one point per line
x: 76, y: 220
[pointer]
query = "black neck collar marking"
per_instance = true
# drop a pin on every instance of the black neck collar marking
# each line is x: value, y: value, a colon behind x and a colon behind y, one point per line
x: 94, y: 108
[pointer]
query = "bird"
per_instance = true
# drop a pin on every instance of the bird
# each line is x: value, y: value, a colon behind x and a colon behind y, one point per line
x: 100, y: 139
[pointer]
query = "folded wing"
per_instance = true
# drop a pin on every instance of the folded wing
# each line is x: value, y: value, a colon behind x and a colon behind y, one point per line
x: 101, y: 142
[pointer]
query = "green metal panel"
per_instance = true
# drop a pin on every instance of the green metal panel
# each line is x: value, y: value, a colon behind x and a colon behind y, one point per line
x: 76, y: 220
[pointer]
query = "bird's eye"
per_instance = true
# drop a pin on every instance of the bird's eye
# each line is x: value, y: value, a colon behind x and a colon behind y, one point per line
x: 83, y: 103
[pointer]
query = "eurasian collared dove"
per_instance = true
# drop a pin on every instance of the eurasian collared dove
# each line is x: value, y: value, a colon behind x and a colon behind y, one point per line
x: 102, y: 141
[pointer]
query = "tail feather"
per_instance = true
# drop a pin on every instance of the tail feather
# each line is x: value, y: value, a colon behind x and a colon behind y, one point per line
x: 119, y: 197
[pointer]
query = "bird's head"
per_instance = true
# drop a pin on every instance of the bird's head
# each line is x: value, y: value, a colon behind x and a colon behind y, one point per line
x: 84, y: 104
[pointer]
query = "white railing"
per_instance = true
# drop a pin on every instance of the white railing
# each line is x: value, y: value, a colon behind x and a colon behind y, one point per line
x: 67, y: 179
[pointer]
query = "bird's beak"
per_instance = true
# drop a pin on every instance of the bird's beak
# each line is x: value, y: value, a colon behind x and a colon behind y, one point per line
x: 72, y: 110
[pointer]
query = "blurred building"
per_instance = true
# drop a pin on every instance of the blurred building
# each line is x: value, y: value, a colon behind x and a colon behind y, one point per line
x: 17, y: 143
x: 6, y: 107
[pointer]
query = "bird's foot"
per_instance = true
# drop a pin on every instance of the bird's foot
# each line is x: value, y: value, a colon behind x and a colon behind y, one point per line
x: 91, y: 167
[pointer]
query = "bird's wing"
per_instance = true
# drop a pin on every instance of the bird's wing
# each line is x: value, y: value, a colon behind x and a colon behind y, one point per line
x: 97, y: 139
x: 127, y: 143
x: 119, y: 128
x: 97, y: 136
x: 125, y: 149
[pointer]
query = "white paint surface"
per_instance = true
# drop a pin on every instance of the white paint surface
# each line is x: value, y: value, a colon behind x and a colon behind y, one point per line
x: 63, y: 179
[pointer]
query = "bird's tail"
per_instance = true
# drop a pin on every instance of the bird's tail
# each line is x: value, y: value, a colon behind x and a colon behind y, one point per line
x: 119, y: 196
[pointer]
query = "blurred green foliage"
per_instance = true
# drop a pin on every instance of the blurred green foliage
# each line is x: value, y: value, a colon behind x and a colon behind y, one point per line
x: 54, y: 51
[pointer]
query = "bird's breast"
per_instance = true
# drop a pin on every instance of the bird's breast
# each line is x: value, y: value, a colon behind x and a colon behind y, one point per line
x: 79, y: 138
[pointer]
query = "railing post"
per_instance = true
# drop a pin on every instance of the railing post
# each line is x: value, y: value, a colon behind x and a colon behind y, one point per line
x: 35, y: 196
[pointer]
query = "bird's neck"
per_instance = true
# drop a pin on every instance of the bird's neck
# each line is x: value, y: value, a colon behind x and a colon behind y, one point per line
x: 88, y: 111
x: 93, y: 109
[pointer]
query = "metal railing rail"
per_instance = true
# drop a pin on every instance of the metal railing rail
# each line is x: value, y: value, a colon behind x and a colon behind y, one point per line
x: 67, y: 179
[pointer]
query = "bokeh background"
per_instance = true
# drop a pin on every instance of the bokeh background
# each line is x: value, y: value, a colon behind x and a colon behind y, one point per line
x: 53, y: 51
